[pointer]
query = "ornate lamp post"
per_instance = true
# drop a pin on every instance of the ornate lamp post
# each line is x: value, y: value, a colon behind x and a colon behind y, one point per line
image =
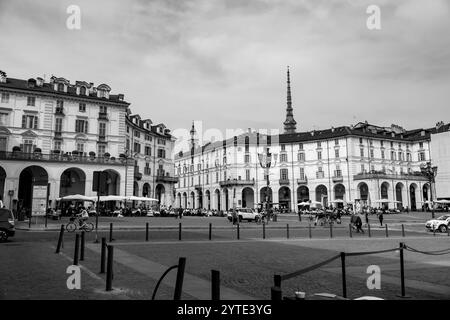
x: 266, y: 161
x: 429, y: 172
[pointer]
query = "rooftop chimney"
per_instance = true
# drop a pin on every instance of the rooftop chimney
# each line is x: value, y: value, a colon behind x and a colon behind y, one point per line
x: 2, y: 76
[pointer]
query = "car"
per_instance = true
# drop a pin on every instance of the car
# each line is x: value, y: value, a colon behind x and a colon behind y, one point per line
x: 245, y: 214
x: 440, y: 224
x: 7, y: 228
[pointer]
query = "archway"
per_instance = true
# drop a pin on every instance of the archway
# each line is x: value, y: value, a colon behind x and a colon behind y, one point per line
x: 412, y: 196
x: 146, y: 190
x: 135, y: 189
x: 284, y: 198
x: 2, y: 184
x: 339, y: 194
x: 363, y: 189
x: 160, y: 192
x: 185, y: 200
x: 29, y: 178
x: 73, y: 181
x: 192, y: 200
x: 384, y: 190
x: 399, y: 194
x: 322, y: 194
x: 302, y: 194
x: 265, y: 194
x: 113, y: 183
x: 227, y: 200
x: 217, y: 195
x: 248, y: 198
x: 208, y: 199
x: 200, y: 199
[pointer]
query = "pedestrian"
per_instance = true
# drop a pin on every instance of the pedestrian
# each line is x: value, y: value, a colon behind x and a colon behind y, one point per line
x: 358, y: 224
x: 180, y: 213
x: 380, y: 217
x: 367, y: 218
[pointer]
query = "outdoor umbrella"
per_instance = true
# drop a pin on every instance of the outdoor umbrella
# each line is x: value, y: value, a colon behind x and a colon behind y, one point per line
x: 78, y: 197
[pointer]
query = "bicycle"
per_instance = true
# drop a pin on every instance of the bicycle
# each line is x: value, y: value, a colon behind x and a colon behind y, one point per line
x: 74, y: 224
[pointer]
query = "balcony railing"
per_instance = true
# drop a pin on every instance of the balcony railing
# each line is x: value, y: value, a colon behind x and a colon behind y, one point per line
x: 58, y: 135
x: 236, y: 182
x: 338, y: 179
x: 58, y: 157
x: 384, y: 175
x: 59, y: 111
x: 102, y: 116
x: 302, y: 180
x: 166, y: 179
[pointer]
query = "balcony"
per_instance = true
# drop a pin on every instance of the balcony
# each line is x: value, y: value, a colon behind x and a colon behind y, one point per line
x: 166, y: 179
x: 416, y: 176
x: 236, y: 182
x: 103, y: 116
x: 338, y: 179
x: 198, y: 186
x: 302, y: 180
x: 101, y: 138
x: 283, y: 182
x: 59, y: 157
x: 58, y: 135
x: 59, y: 111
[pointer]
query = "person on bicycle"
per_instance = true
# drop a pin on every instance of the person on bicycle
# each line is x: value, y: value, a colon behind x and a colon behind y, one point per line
x: 83, y: 217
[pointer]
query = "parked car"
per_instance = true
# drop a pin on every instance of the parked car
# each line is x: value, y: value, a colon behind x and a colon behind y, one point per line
x: 244, y: 214
x: 7, y: 228
x: 440, y: 224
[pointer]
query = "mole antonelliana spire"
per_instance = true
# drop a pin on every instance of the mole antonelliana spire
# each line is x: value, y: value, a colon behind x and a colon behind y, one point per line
x: 290, y: 125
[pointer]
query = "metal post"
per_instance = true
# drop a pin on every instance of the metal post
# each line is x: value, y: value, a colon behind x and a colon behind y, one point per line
x: 111, y: 232
x: 350, y: 230
x: 215, y: 285
x: 180, y: 277
x: 368, y: 228
x: 403, y: 230
x: 310, y: 233
x: 344, y: 281
x: 146, y: 231
x: 264, y: 230
x: 277, y: 280
x: 238, y: 232
x: 275, y: 293
x: 402, y: 271
x: 109, y: 268
x: 387, y: 232
x: 82, y: 246
x: 179, y: 231
x: 103, y: 256
x: 287, y: 230
x: 331, y: 230
x: 210, y: 231
x: 77, y: 249
x: 60, y: 239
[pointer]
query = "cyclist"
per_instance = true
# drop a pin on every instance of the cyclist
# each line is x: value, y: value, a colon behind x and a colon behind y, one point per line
x: 83, y: 217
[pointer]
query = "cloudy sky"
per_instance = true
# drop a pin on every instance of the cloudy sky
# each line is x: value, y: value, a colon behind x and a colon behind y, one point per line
x: 224, y: 62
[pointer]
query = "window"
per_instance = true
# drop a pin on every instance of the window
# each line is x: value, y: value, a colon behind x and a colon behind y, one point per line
x: 383, y: 168
x: 148, y: 137
x: 58, y: 125
x: 148, y: 151
x: 101, y: 150
x: 283, y: 157
x: 361, y: 152
x: 363, y: 169
x: 31, y: 101
x: 60, y: 87
x: 128, y: 129
x: 336, y: 142
x: 247, y: 174
x: 161, y: 153
x: 137, y: 134
x: 57, y: 145
x: 83, y: 91
x: 319, y: 155
x: 128, y: 144
x: 300, y: 146
x: 392, y: 144
x: 336, y: 153
x: 3, y: 119
x: 400, y: 156
x: 217, y: 177
x: 421, y: 145
x: 301, y: 156
x: 207, y: 179
x: 421, y: 156
x: 283, y: 174
x: 370, y: 142
x: 103, y: 109
x: 59, y: 104
x: 372, y: 168
x: 224, y: 160
x: 392, y: 155
x: 338, y: 172
x: 5, y: 97
x: 199, y: 167
x: 319, y: 144
x: 28, y: 146
x: 29, y: 122
x: 247, y: 158
x: 382, y: 154
x: 81, y: 126
x: 302, y: 173
x: 147, y: 169
x: 82, y: 107
x: 382, y: 143
x: 360, y: 140
x: 162, y: 141
x: 408, y: 157
x: 80, y: 147
x: 283, y: 147
x: 102, y: 129
x: 137, y: 147
x: 371, y: 153
x: 320, y: 174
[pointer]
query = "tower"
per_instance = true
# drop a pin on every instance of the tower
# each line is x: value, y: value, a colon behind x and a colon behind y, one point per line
x: 193, y: 137
x: 290, y: 125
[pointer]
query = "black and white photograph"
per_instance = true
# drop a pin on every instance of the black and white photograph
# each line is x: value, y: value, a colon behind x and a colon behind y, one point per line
x: 230, y: 156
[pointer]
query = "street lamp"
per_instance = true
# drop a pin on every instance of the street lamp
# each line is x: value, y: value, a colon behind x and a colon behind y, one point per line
x: 430, y: 173
x: 266, y: 161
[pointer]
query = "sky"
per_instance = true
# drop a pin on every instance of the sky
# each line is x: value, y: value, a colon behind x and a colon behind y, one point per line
x: 224, y: 62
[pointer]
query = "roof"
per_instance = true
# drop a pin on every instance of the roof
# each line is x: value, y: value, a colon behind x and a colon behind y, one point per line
x: 47, y: 88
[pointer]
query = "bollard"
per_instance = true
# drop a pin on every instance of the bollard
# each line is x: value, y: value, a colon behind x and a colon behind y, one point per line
x: 103, y: 256
x: 82, y: 246
x: 344, y: 281
x: 179, y: 231
x: 350, y: 230
x: 275, y: 294
x: 331, y: 230
x: 264, y: 230
x: 180, y: 277
x: 387, y: 232
x: 310, y: 233
x: 60, y: 239
x: 146, y: 231
x: 434, y: 231
x: 238, y: 232
x: 111, y: 232
x: 215, y: 285
x: 210, y: 231
x: 368, y: 229
x: 77, y: 249
x: 277, y: 280
x: 300, y: 217
x: 403, y: 230
x: 402, y: 270
x: 109, y: 268
x: 287, y: 231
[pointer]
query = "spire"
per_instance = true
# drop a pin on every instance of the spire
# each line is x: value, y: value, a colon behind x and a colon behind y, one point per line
x: 289, y: 123
x: 193, y: 136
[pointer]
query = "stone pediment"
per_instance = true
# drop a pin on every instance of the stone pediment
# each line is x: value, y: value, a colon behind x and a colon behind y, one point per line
x: 29, y: 133
x: 4, y: 131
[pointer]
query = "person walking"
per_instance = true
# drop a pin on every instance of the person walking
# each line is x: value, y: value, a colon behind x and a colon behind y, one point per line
x: 358, y: 224
x: 380, y: 217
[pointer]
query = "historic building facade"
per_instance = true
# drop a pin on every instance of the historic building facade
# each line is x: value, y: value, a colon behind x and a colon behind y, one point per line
x: 372, y: 164
x: 56, y: 134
